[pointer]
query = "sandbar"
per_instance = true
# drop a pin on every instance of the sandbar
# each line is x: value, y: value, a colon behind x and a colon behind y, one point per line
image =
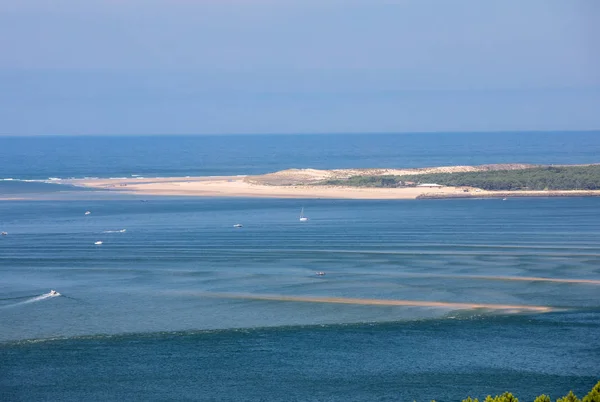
x: 244, y: 186
x: 237, y: 186
x: 308, y: 183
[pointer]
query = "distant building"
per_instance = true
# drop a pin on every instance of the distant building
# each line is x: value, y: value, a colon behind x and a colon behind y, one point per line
x: 429, y: 185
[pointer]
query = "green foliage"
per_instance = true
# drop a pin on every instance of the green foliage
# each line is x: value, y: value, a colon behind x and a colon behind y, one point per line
x: 570, y: 397
x: 505, y: 397
x: 366, y: 181
x: 593, y: 395
x: 539, y: 178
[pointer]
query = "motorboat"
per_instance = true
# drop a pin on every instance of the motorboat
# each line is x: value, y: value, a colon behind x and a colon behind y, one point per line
x: 98, y: 243
x: 54, y: 293
x: 4, y: 233
x: 320, y: 273
x: 87, y: 212
x: 238, y: 225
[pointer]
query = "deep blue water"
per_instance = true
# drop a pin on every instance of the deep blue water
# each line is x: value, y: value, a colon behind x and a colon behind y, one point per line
x: 380, y: 362
x: 182, y: 306
x: 64, y: 157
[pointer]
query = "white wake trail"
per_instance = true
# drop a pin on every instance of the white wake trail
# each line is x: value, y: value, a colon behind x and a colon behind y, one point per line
x: 32, y: 300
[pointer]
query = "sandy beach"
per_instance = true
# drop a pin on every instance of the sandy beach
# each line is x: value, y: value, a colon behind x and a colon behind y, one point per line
x: 236, y: 186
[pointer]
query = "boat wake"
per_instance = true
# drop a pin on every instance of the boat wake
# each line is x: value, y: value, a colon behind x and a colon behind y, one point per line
x: 17, y: 298
x: 115, y: 231
x: 34, y: 299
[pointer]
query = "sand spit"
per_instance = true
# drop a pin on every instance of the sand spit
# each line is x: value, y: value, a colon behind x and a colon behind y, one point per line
x: 240, y: 187
x: 303, y: 183
x: 384, y: 302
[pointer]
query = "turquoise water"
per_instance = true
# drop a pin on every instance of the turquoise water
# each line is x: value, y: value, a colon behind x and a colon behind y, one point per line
x: 177, y: 304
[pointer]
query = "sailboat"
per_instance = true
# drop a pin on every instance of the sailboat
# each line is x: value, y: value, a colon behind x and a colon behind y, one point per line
x: 302, y: 217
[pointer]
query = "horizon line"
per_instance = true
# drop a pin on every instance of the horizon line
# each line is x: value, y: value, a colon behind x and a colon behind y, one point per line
x: 555, y: 131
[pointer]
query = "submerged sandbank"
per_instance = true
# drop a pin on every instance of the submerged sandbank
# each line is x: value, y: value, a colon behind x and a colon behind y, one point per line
x: 385, y: 302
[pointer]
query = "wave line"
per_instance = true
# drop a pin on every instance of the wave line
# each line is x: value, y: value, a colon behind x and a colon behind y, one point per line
x: 504, y: 278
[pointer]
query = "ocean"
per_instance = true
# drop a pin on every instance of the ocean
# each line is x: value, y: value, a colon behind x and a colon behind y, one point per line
x: 177, y: 304
x: 167, y: 156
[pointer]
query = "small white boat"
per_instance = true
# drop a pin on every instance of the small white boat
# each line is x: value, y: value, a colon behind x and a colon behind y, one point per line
x: 87, y: 212
x: 4, y: 233
x: 302, y: 217
x: 54, y: 293
x: 98, y: 243
x: 504, y: 199
x: 238, y: 225
x: 320, y: 273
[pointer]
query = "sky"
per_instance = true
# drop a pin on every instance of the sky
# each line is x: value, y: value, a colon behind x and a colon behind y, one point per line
x: 110, y: 67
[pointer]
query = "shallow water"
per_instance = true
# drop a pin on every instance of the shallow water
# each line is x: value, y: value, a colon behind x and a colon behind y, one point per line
x: 184, y: 306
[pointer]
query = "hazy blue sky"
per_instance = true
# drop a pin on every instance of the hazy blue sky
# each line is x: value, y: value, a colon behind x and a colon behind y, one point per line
x: 270, y: 66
